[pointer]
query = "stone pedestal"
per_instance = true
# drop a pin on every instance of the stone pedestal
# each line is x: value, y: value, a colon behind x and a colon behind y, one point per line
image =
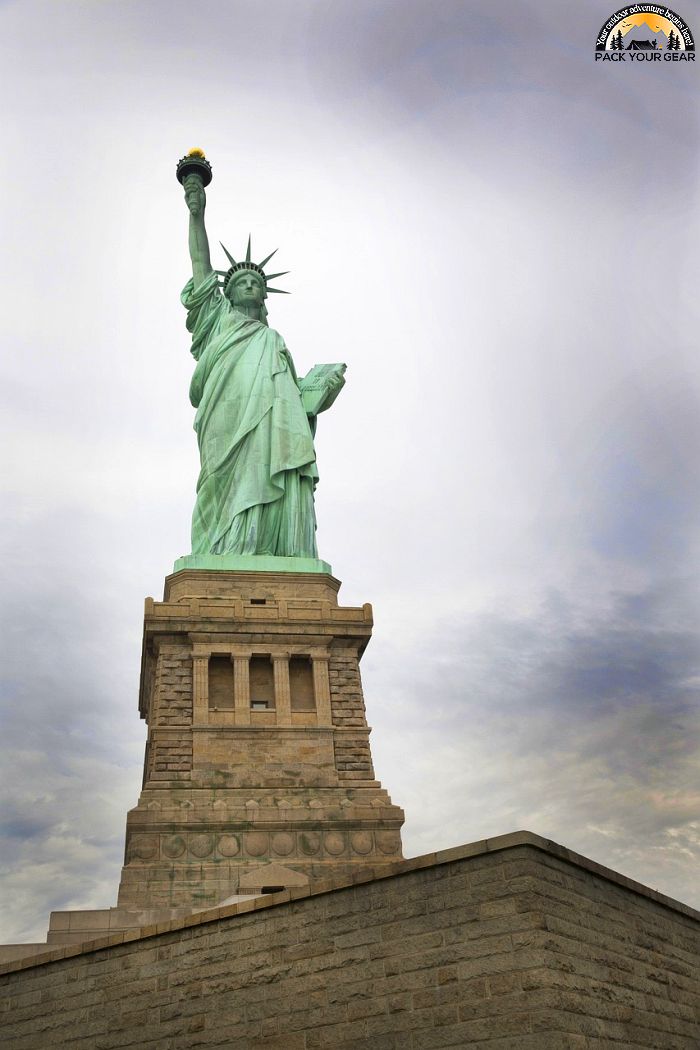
x: 258, y: 772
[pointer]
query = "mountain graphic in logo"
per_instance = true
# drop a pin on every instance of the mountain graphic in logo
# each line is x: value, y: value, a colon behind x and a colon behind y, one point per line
x: 643, y: 40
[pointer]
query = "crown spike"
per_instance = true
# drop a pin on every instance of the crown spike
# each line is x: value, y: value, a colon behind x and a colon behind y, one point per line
x: 271, y: 276
x: 247, y: 254
x: 267, y: 258
x: 280, y: 291
x: 229, y: 256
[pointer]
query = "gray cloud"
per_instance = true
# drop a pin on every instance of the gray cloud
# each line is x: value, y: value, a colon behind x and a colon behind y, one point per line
x: 580, y: 723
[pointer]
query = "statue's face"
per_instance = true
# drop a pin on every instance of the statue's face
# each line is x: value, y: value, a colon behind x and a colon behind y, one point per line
x: 246, y: 289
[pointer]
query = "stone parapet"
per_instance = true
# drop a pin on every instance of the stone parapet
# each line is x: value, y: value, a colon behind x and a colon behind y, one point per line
x: 514, y: 943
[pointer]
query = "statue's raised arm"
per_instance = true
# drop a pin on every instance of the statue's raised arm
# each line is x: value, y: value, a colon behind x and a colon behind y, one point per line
x: 196, y: 199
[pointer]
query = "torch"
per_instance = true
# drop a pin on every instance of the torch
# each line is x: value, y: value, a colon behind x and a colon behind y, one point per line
x: 194, y: 163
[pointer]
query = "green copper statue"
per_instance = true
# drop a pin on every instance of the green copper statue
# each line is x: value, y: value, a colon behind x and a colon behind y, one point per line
x: 255, y: 419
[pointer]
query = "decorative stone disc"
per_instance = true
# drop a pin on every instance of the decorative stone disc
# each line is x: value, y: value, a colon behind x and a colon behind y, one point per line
x: 334, y: 843
x: 389, y: 841
x: 229, y: 845
x: 255, y: 843
x: 310, y: 842
x: 361, y: 842
x: 173, y: 846
x: 143, y: 847
x: 283, y: 843
x: 201, y: 845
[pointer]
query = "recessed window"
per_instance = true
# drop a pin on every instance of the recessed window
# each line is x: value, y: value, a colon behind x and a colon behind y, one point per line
x: 220, y: 683
x: 258, y: 601
x: 301, y: 684
x: 262, y: 683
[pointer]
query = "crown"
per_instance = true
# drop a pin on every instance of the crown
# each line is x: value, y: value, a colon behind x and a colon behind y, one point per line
x: 250, y: 265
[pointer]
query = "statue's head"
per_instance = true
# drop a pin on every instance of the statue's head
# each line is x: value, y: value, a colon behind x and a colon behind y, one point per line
x: 245, y: 284
x: 246, y: 288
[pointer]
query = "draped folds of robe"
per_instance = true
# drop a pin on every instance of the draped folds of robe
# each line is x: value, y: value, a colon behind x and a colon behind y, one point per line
x: 258, y: 465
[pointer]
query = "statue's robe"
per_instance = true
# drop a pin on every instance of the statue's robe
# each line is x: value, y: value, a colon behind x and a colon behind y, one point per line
x: 255, y: 488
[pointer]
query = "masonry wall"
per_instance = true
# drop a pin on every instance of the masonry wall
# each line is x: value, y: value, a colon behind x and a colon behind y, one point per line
x: 514, y: 944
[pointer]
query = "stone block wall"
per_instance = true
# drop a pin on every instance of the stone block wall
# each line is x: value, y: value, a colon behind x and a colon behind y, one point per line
x: 353, y: 759
x: 347, y: 701
x: 510, y: 944
x: 170, y: 756
x: 173, y: 686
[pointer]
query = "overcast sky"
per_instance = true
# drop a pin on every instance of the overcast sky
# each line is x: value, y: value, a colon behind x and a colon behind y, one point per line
x: 500, y: 238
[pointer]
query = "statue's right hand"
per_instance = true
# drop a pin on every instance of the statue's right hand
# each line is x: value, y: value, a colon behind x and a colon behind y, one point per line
x: 194, y: 195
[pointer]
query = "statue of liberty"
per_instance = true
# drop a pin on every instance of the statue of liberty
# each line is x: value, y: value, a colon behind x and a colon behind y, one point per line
x: 255, y: 420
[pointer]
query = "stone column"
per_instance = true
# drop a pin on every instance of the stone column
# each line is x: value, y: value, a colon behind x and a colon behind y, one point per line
x: 200, y: 690
x: 283, y: 700
x: 322, y: 689
x: 241, y: 689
